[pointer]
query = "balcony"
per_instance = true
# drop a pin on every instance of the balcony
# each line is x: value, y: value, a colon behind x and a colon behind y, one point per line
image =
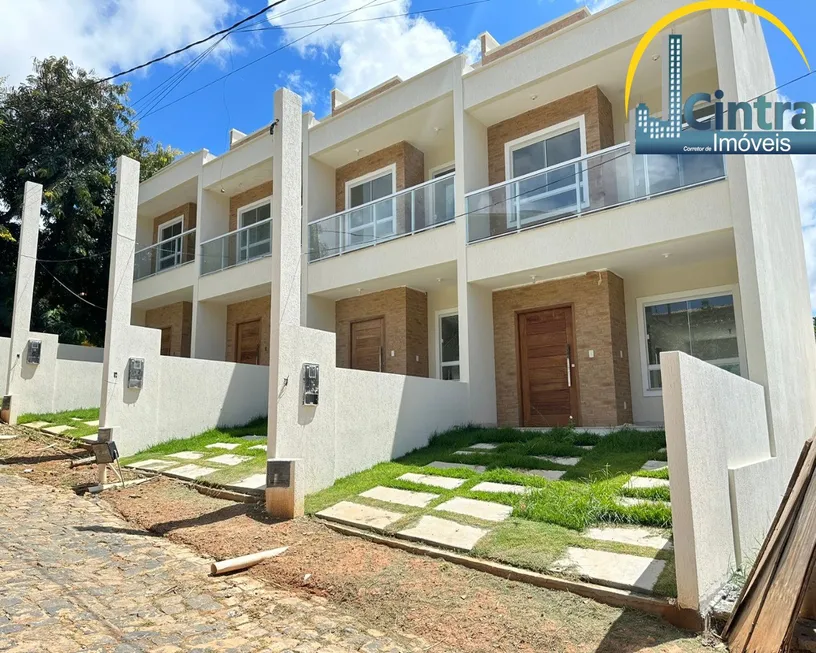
x: 165, y: 255
x: 406, y: 212
x: 236, y: 247
x: 595, y: 182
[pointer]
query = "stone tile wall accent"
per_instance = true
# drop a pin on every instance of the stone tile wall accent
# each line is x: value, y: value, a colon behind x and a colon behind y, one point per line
x: 406, y: 328
x: 252, y: 309
x: 602, y: 385
x: 179, y: 317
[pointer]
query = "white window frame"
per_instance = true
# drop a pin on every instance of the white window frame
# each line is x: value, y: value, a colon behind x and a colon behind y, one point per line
x: 176, y: 255
x: 448, y: 312
x: 686, y: 295
x: 389, y: 169
x: 239, y: 228
x: 432, y: 172
x: 536, y: 137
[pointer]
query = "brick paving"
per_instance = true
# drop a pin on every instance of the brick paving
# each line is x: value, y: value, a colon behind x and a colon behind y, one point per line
x: 73, y: 577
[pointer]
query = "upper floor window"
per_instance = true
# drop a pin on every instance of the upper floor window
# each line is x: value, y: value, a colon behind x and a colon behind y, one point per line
x: 255, y: 237
x: 170, y: 243
x: 373, y: 221
x: 550, y: 193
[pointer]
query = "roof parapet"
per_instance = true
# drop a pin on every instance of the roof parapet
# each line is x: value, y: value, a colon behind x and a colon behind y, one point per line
x: 340, y: 101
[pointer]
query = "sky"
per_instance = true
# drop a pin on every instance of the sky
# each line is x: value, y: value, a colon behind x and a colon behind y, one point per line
x: 311, y: 46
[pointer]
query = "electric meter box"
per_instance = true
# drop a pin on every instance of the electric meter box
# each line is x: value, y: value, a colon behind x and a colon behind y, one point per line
x: 34, y: 352
x: 311, y: 382
x: 135, y: 377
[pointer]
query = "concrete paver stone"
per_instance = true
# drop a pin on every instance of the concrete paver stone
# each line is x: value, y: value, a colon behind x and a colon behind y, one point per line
x: 619, y: 570
x: 628, y: 502
x: 641, y: 482
x: 441, y: 465
x: 59, y: 429
x: 549, y: 474
x: 402, y: 497
x: 636, y: 536
x: 229, y: 446
x: 190, y: 471
x: 560, y: 460
x: 93, y: 422
x: 654, y: 465
x: 434, y: 530
x: 254, y: 482
x: 355, y: 514
x: 483, y: 445
x: 486, y: 510
x: 229, y: 459
x: 37, y: 425
x: 258, y: 447
x: 187, y: 455
x: 500, y: 487
x: 153, y: 465
x: 435, y: 481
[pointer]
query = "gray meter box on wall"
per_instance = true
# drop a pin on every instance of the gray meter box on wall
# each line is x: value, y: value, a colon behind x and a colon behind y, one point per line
x: 34, y: 351
x: 135, y: 377
x: 311, y: 383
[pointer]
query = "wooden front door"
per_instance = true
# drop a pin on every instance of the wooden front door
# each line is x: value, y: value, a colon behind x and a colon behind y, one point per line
x: 367, y: 341
x: 166, y: 340
x: 549, y: 387
x: 248, y: 342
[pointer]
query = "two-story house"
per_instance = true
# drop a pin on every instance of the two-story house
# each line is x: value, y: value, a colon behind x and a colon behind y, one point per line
x: 491, y: 224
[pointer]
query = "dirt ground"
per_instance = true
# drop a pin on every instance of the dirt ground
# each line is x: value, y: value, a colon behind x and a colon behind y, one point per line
x: 392, y: 590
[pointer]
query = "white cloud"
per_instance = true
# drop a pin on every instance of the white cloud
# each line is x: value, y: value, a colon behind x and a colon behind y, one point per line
x: 303, y: 87
x: 369, y: 52
x: 103, y: 36
x: 473, y: 50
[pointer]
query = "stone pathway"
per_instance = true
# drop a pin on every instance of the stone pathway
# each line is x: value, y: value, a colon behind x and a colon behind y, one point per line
x: 434, y: 481
x: 74, y: 578
x: 615, y: 569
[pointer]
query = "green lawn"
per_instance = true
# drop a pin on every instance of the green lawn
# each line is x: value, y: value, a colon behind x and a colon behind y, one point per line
x: 75, y: 418
x: 553, y: 514
x: 224, y: 475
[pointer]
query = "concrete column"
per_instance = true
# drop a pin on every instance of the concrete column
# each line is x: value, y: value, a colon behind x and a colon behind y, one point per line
x: 476, y: 357
x: 120, y: 294
x: 286, y: 245
x: 23, y: 295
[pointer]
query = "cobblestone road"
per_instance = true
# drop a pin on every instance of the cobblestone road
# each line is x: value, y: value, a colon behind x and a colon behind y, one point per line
x: 75, y: 578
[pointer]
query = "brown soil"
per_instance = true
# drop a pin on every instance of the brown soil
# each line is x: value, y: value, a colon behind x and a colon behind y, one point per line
x: 392, y: 590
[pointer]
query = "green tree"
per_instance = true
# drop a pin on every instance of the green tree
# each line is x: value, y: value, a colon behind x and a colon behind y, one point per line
x: 64, y: 130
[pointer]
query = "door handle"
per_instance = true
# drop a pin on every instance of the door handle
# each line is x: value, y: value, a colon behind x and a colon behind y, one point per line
x: 569, y: 367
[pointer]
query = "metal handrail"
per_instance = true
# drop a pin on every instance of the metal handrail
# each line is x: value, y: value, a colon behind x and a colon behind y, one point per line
x: 386, y: 198
x: 166, y: 240
x: 240, y: 229
x: 536, y: 173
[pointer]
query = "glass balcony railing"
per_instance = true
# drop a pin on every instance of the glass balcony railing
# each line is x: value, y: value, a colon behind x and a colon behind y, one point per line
x: 237, y: 247
x: 406, y: 212
x: 592, y: 183
x: 164, y: 255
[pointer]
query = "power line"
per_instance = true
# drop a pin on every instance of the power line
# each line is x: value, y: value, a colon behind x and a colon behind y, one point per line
x: 299, y: 25
x: 79, y: 297
x: 254, y: 61
x: 226, y: 30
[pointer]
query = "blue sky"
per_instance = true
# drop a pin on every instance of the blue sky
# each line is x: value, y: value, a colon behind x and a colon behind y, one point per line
x: 350, y: 55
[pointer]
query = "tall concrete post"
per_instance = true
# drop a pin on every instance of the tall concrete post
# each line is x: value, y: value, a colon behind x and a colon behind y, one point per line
x: 120, y: 294
x: 284, y: 501
x: 18, y: 368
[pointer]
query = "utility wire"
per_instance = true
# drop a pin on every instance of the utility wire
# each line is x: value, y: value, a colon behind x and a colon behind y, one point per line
x: 226, y: 30
x: 79, y: 297
x: 254, y: 61
x: 296, y: 25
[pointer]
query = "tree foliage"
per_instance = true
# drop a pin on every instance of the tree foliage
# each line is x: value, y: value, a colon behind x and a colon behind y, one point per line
x: 65, y: 131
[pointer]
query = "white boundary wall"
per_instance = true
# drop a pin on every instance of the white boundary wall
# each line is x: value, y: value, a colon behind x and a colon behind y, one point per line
x: 363, y: 418
x: 725, y: 485
x: 68, y: 376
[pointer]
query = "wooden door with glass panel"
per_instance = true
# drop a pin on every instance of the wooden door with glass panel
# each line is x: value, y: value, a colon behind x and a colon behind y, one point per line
x: 549, y: 388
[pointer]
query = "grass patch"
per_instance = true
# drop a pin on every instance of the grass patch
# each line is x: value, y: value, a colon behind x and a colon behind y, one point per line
x: 232, y: 435
x: 74, y: 418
